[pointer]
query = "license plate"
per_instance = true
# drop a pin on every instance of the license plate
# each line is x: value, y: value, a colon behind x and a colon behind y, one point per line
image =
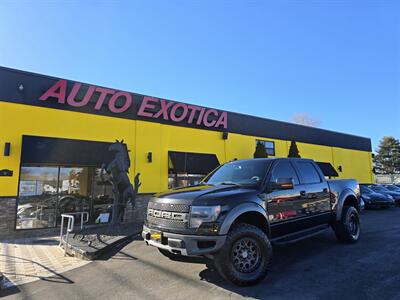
x: 156, y: 236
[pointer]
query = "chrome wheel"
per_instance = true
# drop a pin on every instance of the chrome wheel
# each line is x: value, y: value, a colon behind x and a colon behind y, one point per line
x: 246, y: 255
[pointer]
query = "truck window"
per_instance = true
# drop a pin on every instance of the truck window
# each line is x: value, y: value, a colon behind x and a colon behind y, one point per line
x: 308, y: 173
x: 284, y: 169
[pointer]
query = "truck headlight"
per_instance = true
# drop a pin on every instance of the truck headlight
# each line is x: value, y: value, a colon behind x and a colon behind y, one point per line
x: 202, y: 214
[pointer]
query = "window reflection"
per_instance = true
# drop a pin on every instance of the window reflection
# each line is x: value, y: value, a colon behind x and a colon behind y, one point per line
x: 183, y: 179
x: 37, y: 197
x: 47, y: 192
x: 102, y: 198
x: 74, y: 191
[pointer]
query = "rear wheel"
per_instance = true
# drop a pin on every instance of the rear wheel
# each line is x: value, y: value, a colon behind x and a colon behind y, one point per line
x: 246, y: 255
x: 348, y: 229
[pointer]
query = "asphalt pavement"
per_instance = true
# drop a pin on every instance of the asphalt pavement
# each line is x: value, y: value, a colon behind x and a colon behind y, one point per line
x: 316, y: 268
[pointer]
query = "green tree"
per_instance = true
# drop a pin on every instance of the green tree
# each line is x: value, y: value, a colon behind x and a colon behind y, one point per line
x: 293, y: 150
x: 387, y: 158
x: 260, y: 152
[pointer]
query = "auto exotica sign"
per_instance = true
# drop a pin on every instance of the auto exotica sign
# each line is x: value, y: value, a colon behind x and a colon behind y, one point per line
x: 118, y: 102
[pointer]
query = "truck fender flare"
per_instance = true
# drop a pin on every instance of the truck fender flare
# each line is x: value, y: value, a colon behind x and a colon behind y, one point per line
x: 239, y: 210
x: 342, y: 198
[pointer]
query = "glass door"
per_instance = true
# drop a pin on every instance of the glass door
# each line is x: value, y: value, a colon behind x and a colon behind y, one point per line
x: 74, y: 191
x: 102, y: 198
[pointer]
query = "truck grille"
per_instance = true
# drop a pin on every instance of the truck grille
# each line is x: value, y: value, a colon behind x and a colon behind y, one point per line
x: 168, y: 215
x: 169, y: 207
x: 167, y: 223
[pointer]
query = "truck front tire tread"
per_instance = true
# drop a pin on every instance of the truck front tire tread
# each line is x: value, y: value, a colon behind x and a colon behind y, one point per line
x: 223, y: 259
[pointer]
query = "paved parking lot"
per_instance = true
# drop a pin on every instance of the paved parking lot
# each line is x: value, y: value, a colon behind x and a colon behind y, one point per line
x: 317, y: 268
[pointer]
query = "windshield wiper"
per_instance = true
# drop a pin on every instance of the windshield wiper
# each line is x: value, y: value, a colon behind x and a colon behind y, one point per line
x: 229, y: 183
x: 204, y: 183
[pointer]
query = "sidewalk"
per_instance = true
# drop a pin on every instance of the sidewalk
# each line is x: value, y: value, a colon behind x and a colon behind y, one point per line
x: 29, y: 259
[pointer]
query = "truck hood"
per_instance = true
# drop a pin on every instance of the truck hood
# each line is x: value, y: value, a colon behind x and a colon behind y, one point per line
x: 204, y: 194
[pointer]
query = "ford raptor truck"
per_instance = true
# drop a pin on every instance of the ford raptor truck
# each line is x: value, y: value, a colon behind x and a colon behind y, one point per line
x: 243, y: 207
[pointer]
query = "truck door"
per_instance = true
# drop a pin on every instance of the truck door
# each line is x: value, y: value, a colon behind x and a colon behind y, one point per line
x: 286, y: 205
x: 318, y: 203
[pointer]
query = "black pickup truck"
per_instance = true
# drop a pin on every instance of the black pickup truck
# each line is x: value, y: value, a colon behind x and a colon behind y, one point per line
x: 242, y: 207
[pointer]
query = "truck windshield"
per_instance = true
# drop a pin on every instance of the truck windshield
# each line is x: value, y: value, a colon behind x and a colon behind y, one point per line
x: 247, y: 172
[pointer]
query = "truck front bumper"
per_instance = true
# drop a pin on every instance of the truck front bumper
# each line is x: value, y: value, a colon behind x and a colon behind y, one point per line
x: 188, y: 245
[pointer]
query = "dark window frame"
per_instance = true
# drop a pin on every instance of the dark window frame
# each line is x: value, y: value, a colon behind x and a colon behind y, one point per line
x: 267, y: 148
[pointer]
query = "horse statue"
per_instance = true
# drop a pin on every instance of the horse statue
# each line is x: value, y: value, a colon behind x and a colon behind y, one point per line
x: 123, y: 191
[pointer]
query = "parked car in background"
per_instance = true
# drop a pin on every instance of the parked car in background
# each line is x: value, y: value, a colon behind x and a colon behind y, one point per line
x: 382, y: 190
x: 374, y: 199
x: 392, y: 187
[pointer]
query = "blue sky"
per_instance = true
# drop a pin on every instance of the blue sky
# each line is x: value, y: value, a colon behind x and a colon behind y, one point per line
x: 338, y: 61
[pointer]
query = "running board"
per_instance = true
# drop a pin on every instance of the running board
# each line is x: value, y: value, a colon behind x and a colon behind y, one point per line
x: 299, y: 235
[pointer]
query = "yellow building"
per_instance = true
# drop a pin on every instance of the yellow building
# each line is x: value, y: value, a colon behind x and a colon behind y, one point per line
x: 55, y: 134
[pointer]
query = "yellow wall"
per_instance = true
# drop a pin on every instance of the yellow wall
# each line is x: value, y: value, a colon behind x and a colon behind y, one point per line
x: 355, y: 164
x: 144, y: 137
x: 17, y: 120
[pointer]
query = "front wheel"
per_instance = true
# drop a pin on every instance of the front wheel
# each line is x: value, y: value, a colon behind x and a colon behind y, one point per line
x: 348, y: 229
x: 246, y: 255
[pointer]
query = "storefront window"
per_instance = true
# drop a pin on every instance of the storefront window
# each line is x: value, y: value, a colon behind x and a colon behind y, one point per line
x: 74, y: 191
x: 183, y: 179
x: 37, y: 197
x: 102, y: 198
x: 47, y: 192
x: 187, y: 168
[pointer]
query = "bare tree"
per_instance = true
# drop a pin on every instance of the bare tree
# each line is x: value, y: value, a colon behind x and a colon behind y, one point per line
x: 305, y: 119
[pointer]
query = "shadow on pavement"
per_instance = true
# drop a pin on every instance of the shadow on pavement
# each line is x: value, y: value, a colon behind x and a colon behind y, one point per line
x: 285, y: 257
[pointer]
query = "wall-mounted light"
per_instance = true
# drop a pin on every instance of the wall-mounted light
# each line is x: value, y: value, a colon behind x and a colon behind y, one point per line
x: 150, y: 157
x: 225, y: 135
x: 6, y: 172
x: 21, y: 87
x: 339, y: 168
x: 7, y: 149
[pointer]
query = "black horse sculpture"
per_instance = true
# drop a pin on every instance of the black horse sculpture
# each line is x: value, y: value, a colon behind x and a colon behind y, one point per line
x: 123, y: 191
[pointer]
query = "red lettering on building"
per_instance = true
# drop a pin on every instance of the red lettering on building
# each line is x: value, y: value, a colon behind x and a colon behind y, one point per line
x: 164, y: 109
x: 114, y: 98
x: 179, y: 112
x: 182, y: 116
x: 146, y: 104
x: 150, y: 107
x: 103, y: 94
x: 206, y: 121
x: 59, y: 91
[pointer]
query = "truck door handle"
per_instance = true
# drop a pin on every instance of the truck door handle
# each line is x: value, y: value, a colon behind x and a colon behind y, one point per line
x: 303, y: 193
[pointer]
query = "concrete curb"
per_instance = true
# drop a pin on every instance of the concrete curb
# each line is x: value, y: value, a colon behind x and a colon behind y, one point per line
x: 94, y: 253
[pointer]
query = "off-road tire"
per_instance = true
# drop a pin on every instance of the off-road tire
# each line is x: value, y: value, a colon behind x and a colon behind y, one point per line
x: 348, y: 229
x: 249, y: 241
x: 170, y: 255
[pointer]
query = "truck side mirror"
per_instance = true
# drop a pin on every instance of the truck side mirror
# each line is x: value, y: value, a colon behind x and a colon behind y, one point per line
x: 282, y: 184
